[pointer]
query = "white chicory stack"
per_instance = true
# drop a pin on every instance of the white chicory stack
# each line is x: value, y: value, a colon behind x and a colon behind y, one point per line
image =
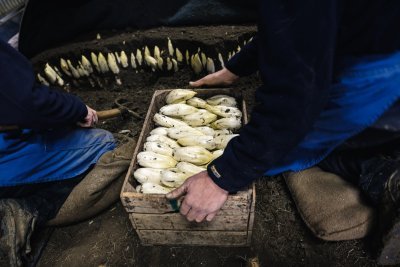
x: 191, y: 133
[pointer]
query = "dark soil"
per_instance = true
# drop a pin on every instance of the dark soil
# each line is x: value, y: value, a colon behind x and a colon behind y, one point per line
x: 280, y: 238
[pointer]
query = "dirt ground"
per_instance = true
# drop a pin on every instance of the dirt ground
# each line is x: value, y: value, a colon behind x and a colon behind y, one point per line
x: 280, y: 238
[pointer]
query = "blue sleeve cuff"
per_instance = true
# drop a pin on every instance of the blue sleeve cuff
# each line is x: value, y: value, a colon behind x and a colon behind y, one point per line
x: 229, y: 178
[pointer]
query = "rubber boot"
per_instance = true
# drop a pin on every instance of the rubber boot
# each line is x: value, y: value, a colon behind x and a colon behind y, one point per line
x: 17, y: 223
x: 389, y: 226
x: 380, y: 179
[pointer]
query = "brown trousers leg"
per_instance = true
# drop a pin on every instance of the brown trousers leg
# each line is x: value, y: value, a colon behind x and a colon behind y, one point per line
x: 99, y: 189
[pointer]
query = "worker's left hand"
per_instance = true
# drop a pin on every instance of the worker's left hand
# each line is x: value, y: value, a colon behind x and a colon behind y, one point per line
x: 222, y: 77
x: 90, y: 120
x: 203, y: 197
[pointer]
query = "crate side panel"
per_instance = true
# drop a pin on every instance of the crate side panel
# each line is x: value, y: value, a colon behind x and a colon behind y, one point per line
x: 156, y: 204
x: 193, y: 238
x: 251, y: 215
x: 175, y: 221
x: 127, y: 185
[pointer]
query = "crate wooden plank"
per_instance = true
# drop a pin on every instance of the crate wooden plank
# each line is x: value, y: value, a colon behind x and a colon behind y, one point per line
x: 252, y: 208
x: 150, y: 203
x: 251, y: 215
x: 249, y: 236
x: 193, y: 238
x: 175, y: 221
x: 234, y: 209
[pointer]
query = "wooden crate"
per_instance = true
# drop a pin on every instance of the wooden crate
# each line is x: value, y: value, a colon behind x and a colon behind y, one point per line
x: 157, y: 220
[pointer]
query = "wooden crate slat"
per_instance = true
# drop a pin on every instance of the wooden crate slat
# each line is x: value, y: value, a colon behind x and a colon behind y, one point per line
x: 251, y: 215
x: 162, y: 206
x: 249, y: 236
x: 176, y: 221
x: 193, y: 238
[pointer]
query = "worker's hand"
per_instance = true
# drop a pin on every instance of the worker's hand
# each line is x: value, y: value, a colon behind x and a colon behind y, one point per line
x: 90, y: 120
x: 220, y: 78
x: 203, y: 197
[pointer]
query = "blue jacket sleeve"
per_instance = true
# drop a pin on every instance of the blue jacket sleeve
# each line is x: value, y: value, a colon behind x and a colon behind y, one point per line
x: 25, y: 103
x: 245, y: 62
x: 296, y: 44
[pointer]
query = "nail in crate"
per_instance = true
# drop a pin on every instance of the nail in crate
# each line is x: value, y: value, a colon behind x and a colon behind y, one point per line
x: 157, y: 220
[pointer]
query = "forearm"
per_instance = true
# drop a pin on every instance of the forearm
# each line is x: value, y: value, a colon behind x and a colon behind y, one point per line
x: 245, y: 62
x: 26, y: 103
x: 54, y: 108
x: 296, y: 79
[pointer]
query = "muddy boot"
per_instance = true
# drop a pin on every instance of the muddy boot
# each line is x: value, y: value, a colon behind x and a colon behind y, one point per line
x: 17, y: 222
x: 390, y: 221
x: 383, y: 185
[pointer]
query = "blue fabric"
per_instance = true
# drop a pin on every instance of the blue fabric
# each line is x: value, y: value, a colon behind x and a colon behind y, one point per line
x: 35, y: 157
x: 8, y: 30
x: 366, y: 88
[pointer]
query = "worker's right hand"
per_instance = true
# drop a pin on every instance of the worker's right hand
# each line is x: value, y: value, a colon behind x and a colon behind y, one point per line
x: 203, y: 198
x: 220, y: 78
x: 90, y: 120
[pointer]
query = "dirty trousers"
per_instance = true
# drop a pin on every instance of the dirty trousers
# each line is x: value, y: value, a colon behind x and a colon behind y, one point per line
x: 24, y: 208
